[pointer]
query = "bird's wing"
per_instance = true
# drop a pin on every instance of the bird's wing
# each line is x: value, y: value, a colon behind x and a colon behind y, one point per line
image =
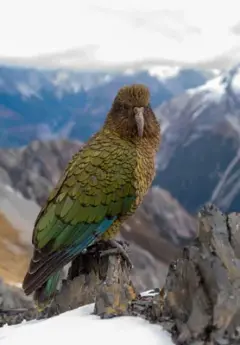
x: 97, y: 188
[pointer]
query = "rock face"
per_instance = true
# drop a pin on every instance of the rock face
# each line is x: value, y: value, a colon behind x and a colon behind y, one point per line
x: 199, y: 303
x: 34, y: 169
x: 95, y: 278
x: 155, y: 232
x: 199, y: 157
x: 202, y: 286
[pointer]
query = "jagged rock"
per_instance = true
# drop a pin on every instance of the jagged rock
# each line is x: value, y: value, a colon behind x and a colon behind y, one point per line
x: 200, y: 301
x: 104, y: 280
x: 202, y: 289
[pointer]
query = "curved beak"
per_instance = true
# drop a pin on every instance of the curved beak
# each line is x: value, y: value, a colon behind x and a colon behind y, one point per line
x: 139, y: 118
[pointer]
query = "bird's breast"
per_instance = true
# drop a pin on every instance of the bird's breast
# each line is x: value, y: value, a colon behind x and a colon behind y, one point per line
x: 144, y: 172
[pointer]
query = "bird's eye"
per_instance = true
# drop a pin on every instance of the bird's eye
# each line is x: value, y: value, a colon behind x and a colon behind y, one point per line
x: 126, y: 106
x: 135, y: 110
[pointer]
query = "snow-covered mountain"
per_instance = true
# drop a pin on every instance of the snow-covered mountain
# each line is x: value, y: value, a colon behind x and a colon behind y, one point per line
x: 49, y: 104
x: 31, y: 82
x: 199, y: 158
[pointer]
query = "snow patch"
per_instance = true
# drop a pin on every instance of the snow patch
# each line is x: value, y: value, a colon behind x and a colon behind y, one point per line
x: 163, y: 72
x: 200, y: 109
x: 150, y: 293
x: 159, y: 71
x: 214, y: 85
x: 26, y: 90
x: 216, y: 71
x: 236, y: 82
x: 107, y: 78
x: 216, y: 88
x: 213, y: 90
x: 60, y: 78
x: 79, y: 326
x: 65, y: 83
x: 129, y: 71
x: 165, y: 124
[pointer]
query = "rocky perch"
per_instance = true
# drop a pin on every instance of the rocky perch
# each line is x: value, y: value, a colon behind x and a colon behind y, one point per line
x: 199, y: 303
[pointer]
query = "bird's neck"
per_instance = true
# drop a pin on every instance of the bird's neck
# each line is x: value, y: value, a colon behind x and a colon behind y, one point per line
x: 150, y: 144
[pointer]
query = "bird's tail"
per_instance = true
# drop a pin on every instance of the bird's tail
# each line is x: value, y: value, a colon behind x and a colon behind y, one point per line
x: 44, y: 295
x: 43, y: 275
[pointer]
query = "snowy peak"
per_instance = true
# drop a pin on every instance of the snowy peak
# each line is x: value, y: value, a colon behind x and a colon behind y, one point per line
x: 225, y: 84
x: 201, y: 138
x: 232, y: 79
x: 164, y: 72
x: 213, y: 106
x: 32, y: 82
x: 46, y: 104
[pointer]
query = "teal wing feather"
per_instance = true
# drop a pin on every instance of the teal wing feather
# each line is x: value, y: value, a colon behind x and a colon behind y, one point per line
x: 96, y: 189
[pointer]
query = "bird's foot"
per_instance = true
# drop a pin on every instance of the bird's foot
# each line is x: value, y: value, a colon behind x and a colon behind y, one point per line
x: 118, y: 247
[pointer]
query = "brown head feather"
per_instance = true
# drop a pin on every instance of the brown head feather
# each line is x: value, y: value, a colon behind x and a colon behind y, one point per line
x: 122, y: 116
x: 136, y: 95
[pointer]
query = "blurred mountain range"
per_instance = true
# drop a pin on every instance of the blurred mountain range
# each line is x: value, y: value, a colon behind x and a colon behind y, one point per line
x: 199, y: 156
x: 39, y: 104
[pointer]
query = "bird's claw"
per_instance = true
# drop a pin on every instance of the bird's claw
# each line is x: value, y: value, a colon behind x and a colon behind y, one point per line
x: 117, y: 248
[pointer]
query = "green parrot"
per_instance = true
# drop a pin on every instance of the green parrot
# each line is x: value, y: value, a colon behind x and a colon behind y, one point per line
x: 102, y: 185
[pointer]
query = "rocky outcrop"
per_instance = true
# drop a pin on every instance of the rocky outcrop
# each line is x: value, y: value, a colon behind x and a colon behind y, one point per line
x: 202, y: 286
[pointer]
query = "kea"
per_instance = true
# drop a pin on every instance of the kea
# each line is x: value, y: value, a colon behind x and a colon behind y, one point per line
x: 101, y: 187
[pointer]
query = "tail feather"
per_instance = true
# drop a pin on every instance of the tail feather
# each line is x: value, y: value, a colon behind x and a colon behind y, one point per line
x: 39, y: 272
x: 45, y: 293
x: 39, y: 259
x: 45, y: 263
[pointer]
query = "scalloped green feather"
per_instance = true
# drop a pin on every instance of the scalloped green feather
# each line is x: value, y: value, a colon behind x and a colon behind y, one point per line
x: 98, y: 184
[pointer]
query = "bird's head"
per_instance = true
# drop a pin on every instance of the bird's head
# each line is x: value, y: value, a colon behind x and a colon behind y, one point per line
x: 131, y: 115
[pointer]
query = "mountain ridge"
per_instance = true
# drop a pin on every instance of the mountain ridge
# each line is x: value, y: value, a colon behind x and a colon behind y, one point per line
x: 40, y: 104
x: 201, y: 137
